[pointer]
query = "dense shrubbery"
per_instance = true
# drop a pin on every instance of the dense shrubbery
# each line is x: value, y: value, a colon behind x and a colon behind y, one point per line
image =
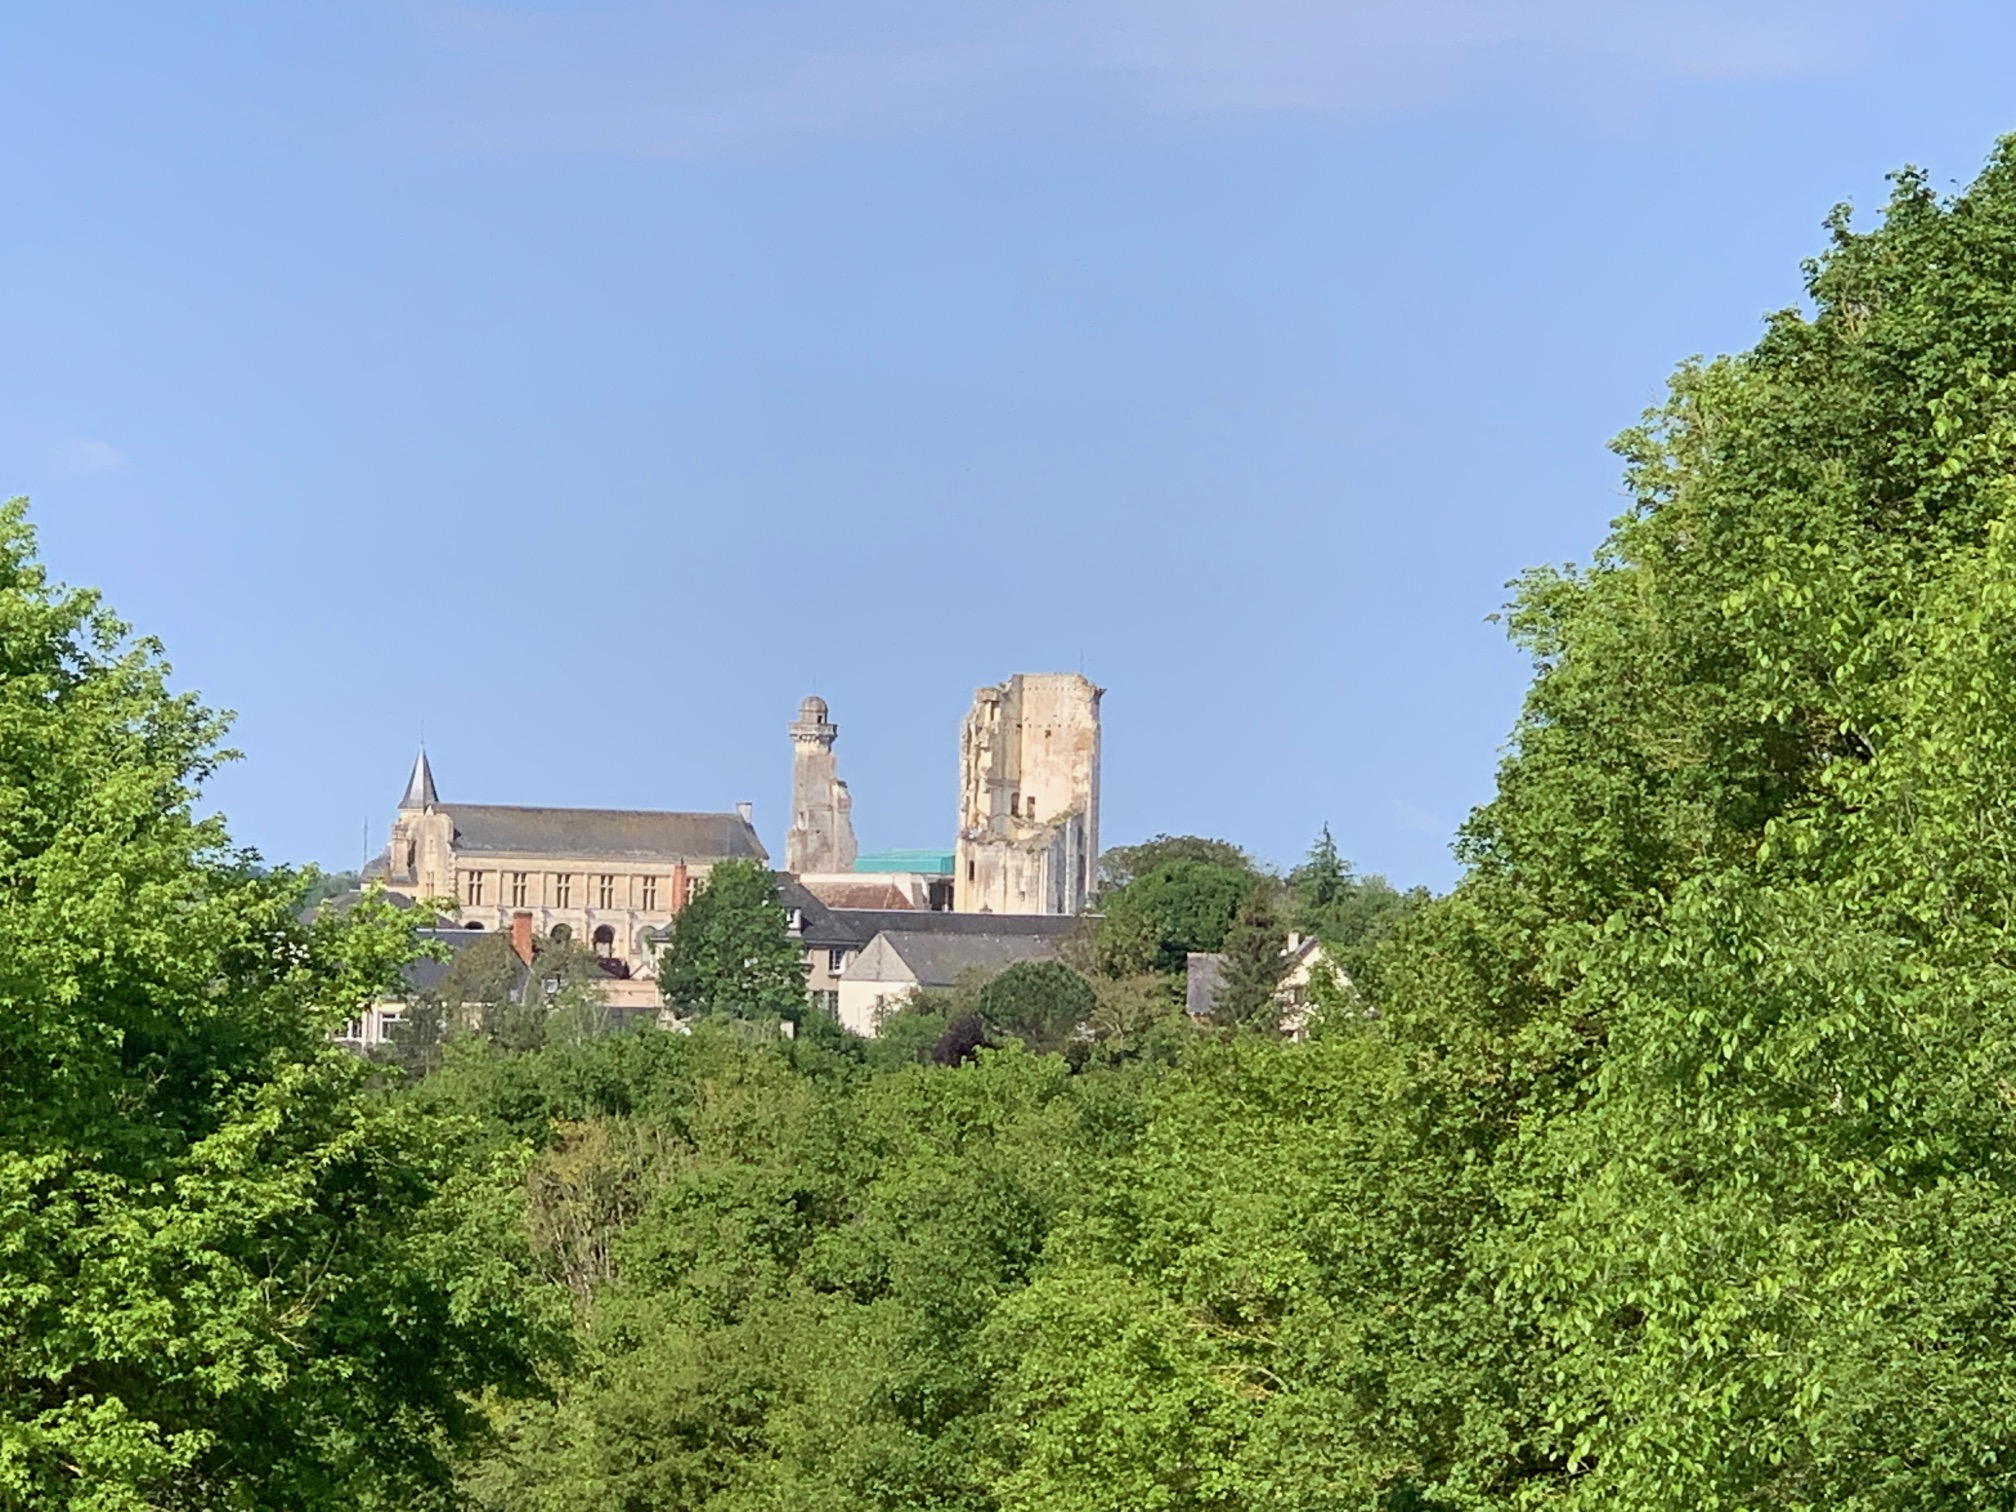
x: 1665, y: 1163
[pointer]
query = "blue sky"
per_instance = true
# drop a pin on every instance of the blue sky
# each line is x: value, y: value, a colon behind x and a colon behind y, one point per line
x: 585, y: 383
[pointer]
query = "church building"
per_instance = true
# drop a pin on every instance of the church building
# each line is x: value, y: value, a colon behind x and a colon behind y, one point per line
x: 600, y: 876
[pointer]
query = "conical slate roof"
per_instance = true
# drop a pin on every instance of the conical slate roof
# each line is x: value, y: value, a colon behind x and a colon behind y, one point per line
x: 420, y: 786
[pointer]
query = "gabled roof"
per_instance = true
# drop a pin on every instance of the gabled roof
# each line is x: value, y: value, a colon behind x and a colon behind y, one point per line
x: 633, y: 834
x: 939, y: 960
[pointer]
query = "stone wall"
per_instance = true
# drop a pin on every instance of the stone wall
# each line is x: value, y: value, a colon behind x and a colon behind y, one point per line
x: 1028, y: 838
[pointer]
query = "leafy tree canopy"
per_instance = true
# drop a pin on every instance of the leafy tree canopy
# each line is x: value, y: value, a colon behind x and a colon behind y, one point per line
x: 1123, y: 863
x: 731, y: 950
x: 1041, y: 1003
x: 1154, y: 921
x: 229, y: 1276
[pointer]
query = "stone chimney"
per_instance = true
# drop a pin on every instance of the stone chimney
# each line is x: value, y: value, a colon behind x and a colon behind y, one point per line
x: 678, y: 899
x: 521, y: 936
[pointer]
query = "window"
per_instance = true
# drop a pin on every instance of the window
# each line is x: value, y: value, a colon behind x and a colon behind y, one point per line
x: 472, y: 889
x: 605, y: 892
x: 605, y: 939
x: 1015, y: 805
x: 560, y: 932
x: 969, y: 871
x: 517, y: 889
x: 692, y: 887
x: 1029, y: 809
x: 563, y: 890
x: 794, y: 921
x: 650, y: 892
x: 836, y: 961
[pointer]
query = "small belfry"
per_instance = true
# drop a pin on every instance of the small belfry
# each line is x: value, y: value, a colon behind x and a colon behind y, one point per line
x: 821, y: 836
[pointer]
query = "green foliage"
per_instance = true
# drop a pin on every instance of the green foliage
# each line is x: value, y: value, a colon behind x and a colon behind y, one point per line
x: 1666, y: 1163
x: 1041, y: 1003
x: 229, y: 1276
x: 1152, y: 922
x: 731, y: 951
x: 1255, y: 959
x: 1122, y: 864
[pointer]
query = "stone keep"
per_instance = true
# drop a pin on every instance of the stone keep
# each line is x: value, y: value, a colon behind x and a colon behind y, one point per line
x: 1029, y: 797
x: 821, y: 837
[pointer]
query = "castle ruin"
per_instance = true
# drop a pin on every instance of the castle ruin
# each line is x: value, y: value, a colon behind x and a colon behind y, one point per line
x: 821, y: 837
x: 1028, y: 840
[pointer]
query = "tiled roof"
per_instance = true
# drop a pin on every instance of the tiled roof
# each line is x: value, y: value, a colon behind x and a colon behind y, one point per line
x: 866, y: 893
x: 634, y: 834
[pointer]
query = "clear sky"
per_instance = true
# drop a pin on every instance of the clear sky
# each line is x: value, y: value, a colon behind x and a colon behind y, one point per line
x: 584, y: 383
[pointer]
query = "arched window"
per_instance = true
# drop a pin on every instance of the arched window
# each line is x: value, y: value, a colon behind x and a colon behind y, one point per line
x: 605, y: 939
x: 1029, y: 811
x: 560, y: 933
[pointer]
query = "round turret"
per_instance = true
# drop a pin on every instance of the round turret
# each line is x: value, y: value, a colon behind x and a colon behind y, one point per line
x: 812, y: 711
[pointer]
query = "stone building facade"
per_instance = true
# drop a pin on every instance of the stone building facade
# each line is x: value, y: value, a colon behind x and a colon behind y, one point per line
x: 1028, y: 840
x: 821, y: 837
x: 605, y: 876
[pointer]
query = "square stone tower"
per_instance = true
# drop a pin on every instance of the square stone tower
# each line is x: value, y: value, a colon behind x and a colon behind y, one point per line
x: 1028, y: 839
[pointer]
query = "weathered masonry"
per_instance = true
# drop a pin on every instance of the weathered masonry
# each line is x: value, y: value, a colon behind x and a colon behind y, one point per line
x: 821, y: 837
x: 1028, y: 839
x: 605, y: 877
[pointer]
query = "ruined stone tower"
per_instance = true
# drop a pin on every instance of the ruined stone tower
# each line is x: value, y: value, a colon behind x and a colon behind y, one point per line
x: 1029, y: 797
x: 821, y: 837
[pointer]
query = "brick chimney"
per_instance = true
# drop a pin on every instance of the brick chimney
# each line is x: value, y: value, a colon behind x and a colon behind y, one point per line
x: 678, y: 886
x: 521, y: 936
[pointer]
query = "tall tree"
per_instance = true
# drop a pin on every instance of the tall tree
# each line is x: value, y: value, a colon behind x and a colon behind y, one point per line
x: 1255, y: 958
x: 229, y: 1276
x: 731, y: 950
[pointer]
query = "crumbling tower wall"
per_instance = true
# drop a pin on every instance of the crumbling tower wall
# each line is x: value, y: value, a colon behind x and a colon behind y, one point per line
x: 1028, y: 838
x: 821, y: 836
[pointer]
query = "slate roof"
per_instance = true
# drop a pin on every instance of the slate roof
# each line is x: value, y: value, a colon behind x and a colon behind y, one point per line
x: 858, y: 926
x: 939, y: 960
x: 639, y: 834
x: 1204, y: 972
x: 423, y: 976
x: 420, y: 786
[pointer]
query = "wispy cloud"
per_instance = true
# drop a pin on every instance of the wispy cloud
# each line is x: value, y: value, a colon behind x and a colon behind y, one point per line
x: 692, y: 76
x: 82, y: 456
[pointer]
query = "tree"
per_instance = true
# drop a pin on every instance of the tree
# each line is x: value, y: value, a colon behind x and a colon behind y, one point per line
x: 1255, y: 959
x: 1349, y: 913
x: 1041, y: 1003
x: 1123, y: 863
x: 731, y: 950
x: 230, y: 1275
x: 1152, y: 922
